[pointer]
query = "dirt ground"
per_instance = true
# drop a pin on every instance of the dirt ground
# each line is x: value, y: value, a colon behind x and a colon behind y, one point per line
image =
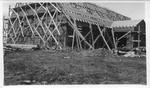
x: 61, y: 67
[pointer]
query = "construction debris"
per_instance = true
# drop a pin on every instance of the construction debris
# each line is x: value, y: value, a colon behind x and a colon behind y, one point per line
x: 130, y: 54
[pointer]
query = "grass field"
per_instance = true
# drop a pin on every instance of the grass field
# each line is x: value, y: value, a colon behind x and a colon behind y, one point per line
x: 60, y: 67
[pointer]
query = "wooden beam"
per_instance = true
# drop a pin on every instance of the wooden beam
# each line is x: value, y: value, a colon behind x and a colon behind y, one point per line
x: 77, y: 42
x: 55, y: 7
x: 80, y: 43
x: 73, y: 39
x: 96, y: 39
x: 139, y: 36
x: 90, y: 26
x: 113, y: 35
x: 103, y: 37
x: 124, y: 35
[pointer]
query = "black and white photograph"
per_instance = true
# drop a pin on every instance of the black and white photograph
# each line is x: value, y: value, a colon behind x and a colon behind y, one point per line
x: 74, y: 43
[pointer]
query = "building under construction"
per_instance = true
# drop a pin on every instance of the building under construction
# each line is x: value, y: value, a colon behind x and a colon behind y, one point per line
x: 74, y: 25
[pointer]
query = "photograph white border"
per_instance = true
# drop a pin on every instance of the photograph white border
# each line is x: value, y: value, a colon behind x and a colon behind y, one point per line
x: 147, y: 19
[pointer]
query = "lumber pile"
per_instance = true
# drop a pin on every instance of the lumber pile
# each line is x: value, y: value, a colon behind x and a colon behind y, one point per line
x: 8, y: 49
x: 17, y: 47
x: 22, y: 46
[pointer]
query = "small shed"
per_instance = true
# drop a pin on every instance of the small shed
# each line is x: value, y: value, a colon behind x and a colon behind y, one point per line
x: 129, y: 34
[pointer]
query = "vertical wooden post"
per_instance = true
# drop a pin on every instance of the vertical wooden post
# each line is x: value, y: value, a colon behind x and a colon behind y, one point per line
x: 90, y: 26
x: 77, y: 42
x: 73, y: 39
x: 138, y: 36
x: 64, y: 36
x: 112, y: 31
x: 80, y: 43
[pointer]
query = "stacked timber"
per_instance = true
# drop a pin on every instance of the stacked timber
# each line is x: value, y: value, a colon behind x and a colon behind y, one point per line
x: 17, y: 47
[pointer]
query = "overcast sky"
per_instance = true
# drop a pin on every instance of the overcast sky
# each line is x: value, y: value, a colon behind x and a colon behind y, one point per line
x: 133, y: 10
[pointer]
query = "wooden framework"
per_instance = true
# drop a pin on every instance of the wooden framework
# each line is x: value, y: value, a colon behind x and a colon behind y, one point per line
x: 32, y: 28
x: 47, y: 28
x: 53, y: 25
x: 136, y: 35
